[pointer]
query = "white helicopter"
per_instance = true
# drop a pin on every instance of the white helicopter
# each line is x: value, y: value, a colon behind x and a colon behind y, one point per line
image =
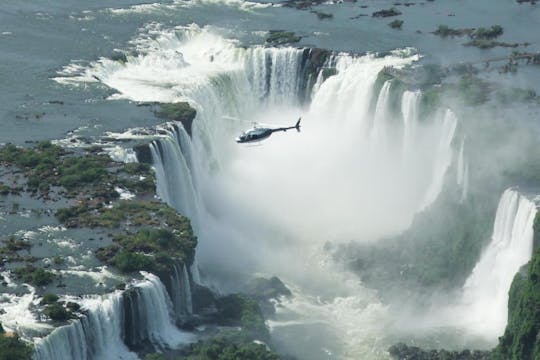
x: 257, y: 133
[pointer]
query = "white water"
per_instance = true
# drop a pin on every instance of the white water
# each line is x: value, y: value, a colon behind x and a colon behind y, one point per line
x: 95, y: 336
x: 100, y: 334
x: 486, y: 290
x: 272, y: 208
x: 155, y: 315
x: 181, y: 289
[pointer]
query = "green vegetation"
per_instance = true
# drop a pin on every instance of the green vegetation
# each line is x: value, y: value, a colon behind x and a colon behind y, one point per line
x: 507, y: 96
x: 321, y: 15
x: 4, y: 189
x: 520, y: 340
x: 327, y: 72
x: 224, y: 348
x: 488, y: 44
x: 396, y: 24
x: 386, y: 13
x: 473, y: 90
x: 77, y: 171
x: 49, y: 165
x: 179, y: 111
x: 445, y: 31
x: 12, y: 348
x: 49, y: 298
x: 402, y: 351
x: 155, y: 356
x: 57, y: 312
x: 165, y: 238
x: 136, y: 213
x: 35, y: 276
x: 241, y: 310
x: 280, y: 37
x: 536, y: 229
x: 488, y: 33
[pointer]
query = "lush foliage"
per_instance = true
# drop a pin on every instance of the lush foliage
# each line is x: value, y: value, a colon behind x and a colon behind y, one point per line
x: 241, y: 310
x: 521, y: 339
x: 49, y: 298
x: 396, y: 24
x: 222, y: 348
x: 57, y: 312
x: 278, y: 37
x: 35, y: 276
x: 12, y: 348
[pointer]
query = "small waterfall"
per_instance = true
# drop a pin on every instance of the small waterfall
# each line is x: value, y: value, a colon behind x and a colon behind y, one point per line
x: 409, y: 110
x: 194, y: 270
x: 378, y: 134
x: 181, y: 291
x: 138, y: 315
x: 486, y: 290
x: 97, y: 335
x: 274, y: 74
x: 443, y: 157
x: 149, y: 314
x: 462, y: 172
x: 175, y: 181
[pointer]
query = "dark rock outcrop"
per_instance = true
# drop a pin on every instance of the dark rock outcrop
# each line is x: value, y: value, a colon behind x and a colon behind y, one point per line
x: 404, y: 352
x: 386, y: 13
x: 179, y: 111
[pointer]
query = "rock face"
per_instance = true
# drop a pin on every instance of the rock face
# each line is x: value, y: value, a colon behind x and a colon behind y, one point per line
x: 404, y: 352
x: 180, y: 111
x: 144, y: 155
x: 386, y: 13
x: 521, y: 339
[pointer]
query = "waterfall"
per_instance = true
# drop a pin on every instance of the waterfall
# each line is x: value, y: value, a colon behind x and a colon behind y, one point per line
x: 175, y: 184
x: 149, y: 316
x: 443, y: 153
x: 96, y: 335
x: 181, y: 291
x: 378, y: 134
x: 462, y: 172
x: 409, y: 110
x: 274, y: 74
x: 142, y: 313
x: 486, y: 290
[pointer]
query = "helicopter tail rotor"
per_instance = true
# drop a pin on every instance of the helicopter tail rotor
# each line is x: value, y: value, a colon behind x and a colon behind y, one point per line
x: 297, y: 126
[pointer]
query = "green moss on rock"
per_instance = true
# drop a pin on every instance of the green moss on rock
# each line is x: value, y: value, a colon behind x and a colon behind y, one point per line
x: 179, y: 111
x: 521, y: 339
x: 12, y: 348
x: 241, y: 310
x: 280, y: 37
x: 35, y: 276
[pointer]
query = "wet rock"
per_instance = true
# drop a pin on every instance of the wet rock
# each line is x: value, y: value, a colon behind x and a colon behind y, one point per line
x: 144, y: 155
x: 386, y: 13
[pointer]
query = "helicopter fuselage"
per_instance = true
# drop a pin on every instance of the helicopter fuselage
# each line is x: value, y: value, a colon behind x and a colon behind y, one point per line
x: 261, y: 133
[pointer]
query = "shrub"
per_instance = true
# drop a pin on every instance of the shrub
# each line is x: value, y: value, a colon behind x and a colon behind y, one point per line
x: 127, y: 261
x: 49, y: 298
x: 12, y: 348
x: 57, y: 312
x: 396, y: 24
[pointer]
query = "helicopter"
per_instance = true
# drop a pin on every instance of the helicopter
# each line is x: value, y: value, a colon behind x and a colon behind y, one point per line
x: 260, y: 133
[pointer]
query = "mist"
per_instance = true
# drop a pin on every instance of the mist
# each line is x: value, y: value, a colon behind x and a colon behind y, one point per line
x: 370, y: 180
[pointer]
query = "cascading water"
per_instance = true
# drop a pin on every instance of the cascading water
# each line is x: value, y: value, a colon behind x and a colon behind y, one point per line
x: 463, y: 171
x: 97, y: 335
x: 486, y: 290
x: 144, y: 313
x: 176, y: 186
x: 276, y: 205
x: 181, y: 291
x: 149, y: 314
